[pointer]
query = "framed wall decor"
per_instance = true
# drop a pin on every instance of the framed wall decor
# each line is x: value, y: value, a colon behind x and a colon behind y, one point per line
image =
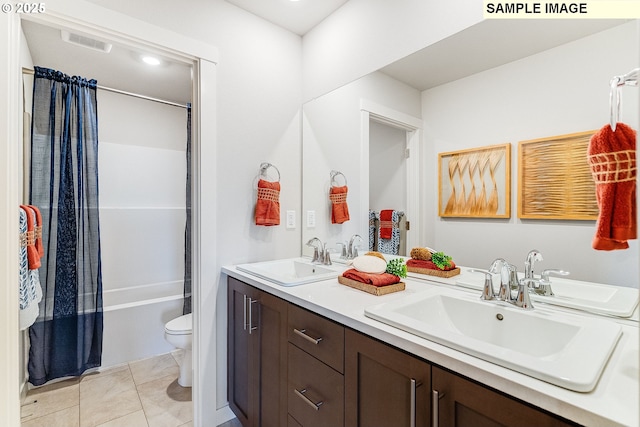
x: 475, y: 183
x: 554, y: 178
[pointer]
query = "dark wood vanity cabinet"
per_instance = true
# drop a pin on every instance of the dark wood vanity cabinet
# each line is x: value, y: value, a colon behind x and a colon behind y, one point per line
x: 460, y: 402
x: 257, y: 356
x: 290, y: 367
x: 384, y: 386
x: 316, y: 366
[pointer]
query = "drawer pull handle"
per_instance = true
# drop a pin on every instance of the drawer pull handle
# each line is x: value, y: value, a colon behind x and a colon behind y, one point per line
x: 303, y: 334
x: 435, y: 406
x: 301, y: 394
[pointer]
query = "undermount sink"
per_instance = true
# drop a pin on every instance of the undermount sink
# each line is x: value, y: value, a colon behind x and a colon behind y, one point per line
x: 562, y: 349
x: 587, y: 296
x: 289, y: 272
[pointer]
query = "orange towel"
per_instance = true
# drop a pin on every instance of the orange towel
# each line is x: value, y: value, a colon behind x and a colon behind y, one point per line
x: 33, y: 256
x: 386, y: 223
x: 38, y: 231
x: 339, y: 208
x: 612, y: 158
x: 268, y: 203
x: 419, y: 263
x: 383, y: 279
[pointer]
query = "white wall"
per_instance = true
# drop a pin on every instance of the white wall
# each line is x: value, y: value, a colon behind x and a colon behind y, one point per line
x: 387, y: 167
x: 142, y: 188
x: 332, y: 136
x: 559, y: 91
x: 365, y: 35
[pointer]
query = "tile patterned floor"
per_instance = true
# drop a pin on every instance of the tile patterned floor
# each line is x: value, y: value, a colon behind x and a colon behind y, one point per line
x: 143, y: 393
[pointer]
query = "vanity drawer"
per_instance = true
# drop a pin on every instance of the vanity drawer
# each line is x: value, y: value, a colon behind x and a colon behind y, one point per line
x: 318, y: 336
x: 315, y: 392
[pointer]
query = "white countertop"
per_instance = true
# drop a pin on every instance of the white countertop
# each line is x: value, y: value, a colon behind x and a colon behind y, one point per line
x: 614, y: 401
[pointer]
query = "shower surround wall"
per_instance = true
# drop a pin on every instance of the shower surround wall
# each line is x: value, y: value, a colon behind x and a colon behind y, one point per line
x: 142, y: 176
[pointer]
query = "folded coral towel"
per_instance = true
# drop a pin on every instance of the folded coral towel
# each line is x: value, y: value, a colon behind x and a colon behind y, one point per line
x: 386, y: 223
x: 418, y: 263
x: 383, y: 279
x: 339, y: 208
x: 612, y: 158
x: 30, y: 238
x: 268, y: 203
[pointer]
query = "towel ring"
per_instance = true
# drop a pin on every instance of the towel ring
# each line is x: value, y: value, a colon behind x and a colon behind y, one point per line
x: 629, y: 79
x: 333, y: 175
x: 263, y: 170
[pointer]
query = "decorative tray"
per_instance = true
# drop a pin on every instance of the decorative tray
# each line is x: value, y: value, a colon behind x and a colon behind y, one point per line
x: 375, y: 290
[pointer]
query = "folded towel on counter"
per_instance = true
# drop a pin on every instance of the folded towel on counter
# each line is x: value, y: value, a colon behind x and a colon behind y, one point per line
x: 268, y: 203
x: 419, y: 263
x: 339, y: 208
x: 383, y: 279
x: 612, y: 158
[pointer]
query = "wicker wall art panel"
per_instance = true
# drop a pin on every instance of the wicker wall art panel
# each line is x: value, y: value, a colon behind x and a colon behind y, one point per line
x: 554, y: 179
x: 475, y: 183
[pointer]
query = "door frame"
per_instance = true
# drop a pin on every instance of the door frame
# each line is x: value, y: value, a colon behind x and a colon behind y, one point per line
x: 100, y: 22
x: 370, y: 110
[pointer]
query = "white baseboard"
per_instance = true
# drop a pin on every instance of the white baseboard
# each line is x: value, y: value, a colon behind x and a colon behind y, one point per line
x: 224, y: 414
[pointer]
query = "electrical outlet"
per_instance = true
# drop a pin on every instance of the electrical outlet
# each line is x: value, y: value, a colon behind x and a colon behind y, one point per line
x: 291, y: 219
x: 311, y: 219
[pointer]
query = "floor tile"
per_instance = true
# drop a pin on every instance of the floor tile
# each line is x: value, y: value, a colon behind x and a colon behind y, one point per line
x: 136, y: 419
x: 106, y: 397
x: 165, y: 402
x: 153, y: 368
x: 68, y: 417
x: 50, y: 398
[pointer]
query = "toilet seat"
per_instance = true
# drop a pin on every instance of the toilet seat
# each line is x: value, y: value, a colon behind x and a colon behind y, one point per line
x: 182, y: 325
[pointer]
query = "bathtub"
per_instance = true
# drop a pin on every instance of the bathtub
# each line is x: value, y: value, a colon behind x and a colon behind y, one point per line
x: 134, y: 319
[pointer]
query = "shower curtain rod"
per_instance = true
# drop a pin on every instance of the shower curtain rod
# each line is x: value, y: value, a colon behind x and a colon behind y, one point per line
x: 122, y: 92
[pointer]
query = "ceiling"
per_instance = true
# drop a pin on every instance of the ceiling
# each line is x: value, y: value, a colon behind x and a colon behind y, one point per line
x: 297, y: 16
x: 489, y: 44
x: 120, y: 69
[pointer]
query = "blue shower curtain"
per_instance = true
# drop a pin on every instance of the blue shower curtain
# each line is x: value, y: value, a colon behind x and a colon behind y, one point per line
x: 66, y: 338
x: 186, y: 307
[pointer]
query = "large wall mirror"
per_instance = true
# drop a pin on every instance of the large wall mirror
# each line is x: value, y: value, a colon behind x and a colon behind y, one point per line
x: 498, y: 82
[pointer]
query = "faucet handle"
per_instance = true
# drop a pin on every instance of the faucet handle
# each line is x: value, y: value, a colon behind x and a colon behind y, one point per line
x: 522, y: 299
x: 487, y: 289
x: 344, y: 250
x: 555, y: 272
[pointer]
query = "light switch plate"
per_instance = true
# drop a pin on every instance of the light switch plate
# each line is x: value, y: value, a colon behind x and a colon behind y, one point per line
x: 311, y: 219
x: 291, y: 219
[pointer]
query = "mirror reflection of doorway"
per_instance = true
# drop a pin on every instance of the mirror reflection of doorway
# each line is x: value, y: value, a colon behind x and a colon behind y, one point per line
x: 387, y: 182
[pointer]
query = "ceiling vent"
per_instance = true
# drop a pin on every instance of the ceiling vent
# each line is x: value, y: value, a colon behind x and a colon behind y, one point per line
x: 85, y: 41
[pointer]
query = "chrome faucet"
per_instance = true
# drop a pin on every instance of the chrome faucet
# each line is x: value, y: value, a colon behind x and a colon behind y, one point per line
x: 545, y: 282
x: 321, y: 254
x: 532, y: 257
x: 352, y: 250
x: 506, y: 270
x: 487, y: 289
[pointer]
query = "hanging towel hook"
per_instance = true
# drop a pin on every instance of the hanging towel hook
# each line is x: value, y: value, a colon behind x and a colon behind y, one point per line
x: 263, y: 170
x: 629, y: 79
x: 333, y: 175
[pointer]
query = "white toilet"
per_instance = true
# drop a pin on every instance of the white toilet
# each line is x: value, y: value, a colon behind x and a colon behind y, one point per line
x: 178, y: 332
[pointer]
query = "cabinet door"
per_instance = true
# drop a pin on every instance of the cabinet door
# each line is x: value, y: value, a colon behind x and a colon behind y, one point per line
x: 384, y: 386
x: 257, y: 355
x: 242, y: 392
x: 271, y: 345
x: 463, y: 403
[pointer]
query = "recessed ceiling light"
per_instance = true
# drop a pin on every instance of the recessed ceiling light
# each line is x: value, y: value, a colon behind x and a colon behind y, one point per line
x: 151, y: 60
